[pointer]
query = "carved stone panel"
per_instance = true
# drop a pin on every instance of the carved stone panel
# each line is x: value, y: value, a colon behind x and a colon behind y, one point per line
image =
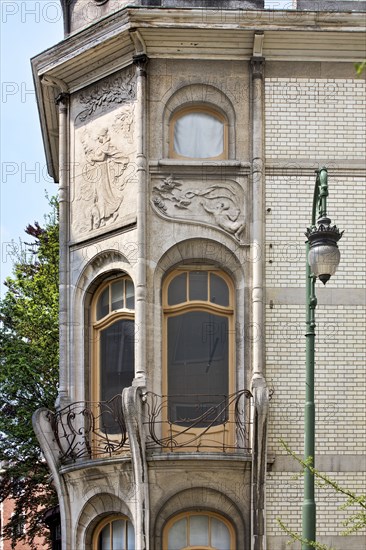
x: 217, y: 203
x: 104, y: 150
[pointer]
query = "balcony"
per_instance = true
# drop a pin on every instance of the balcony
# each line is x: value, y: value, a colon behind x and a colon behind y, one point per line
x: 197, y: 423
x: 85, y: 430
x: 176, y: 423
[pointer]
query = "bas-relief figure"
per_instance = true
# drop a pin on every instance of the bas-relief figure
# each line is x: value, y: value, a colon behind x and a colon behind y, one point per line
x: 220, y: 204
x: 104, y: 171
x: 104, y: 156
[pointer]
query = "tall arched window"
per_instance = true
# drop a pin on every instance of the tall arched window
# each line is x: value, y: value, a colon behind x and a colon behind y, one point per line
x: 198, y: 530
x: 114, y: 533
x: 198, y: 132
x: 198, y: 344
x: 113, y: 325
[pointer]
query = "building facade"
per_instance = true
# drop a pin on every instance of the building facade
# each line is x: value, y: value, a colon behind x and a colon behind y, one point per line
x: 184, y: 137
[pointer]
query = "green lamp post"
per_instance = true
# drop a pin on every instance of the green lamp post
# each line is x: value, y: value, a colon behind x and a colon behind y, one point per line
x: 322, y: 260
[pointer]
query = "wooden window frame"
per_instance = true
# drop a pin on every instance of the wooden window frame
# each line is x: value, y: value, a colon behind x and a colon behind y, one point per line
x: 227, y: 432
x: 188, y: 515
x: 103, y: 523
x: 98, y: 326
x: 205, y: 109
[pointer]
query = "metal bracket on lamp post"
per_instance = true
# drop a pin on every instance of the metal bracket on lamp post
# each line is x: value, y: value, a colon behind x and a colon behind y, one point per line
x: 322, y: 259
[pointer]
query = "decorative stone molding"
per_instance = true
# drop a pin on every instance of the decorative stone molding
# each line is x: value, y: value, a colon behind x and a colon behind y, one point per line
x: 100, y: 265
x: 121, y: 89
x: 132, y: 409
x: 92, y: 513
x: 141, y: 60
x: 220, y: 204
x: 104, y: 167
x: 257, y: 64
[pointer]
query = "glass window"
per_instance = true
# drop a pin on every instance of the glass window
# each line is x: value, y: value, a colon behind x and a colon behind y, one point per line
x: 114, y: 346
x: 117, y: 295
x: 116, y: 357
x: 114, y: 534
x: 219, y: 291
x: 198, y: 285
x: 198, y: 530
x: 177, y: 537
x: 103, y: 304
x: 198, y: 133
x: 177, y: 291
x: 198, y: 348
x: 198, y: 362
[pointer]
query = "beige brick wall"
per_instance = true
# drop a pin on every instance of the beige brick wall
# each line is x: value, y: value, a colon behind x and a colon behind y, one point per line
x: 315, y: 118
x: 340, y: 378
x: 315, y: 122
x: 289, y: 198
x: 285, y: 501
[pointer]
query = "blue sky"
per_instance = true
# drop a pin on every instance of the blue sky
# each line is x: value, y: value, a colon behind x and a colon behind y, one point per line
x: 27, y: 28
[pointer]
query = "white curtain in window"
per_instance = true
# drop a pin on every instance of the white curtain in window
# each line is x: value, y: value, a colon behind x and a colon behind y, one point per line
x: 198, y: 135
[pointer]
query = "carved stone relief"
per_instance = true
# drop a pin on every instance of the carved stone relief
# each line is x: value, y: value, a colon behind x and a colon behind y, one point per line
x: 220, y: 204
x: 104, y: 157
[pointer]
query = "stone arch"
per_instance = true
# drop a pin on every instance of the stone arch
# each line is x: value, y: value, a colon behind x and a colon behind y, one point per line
x: 201, y: 252
x: 97, y: 267
x: 204, y: 499
x: 199, y: 94
x: 98, y: 507
x: 100, y: 266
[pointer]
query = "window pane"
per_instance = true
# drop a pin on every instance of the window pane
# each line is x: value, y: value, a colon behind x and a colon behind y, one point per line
x: 103, y: 304
x: 130, y: 536
x: 220, y: 536
x: 177, y: 291
x: 197, y: 368
x: 219, y: 292
x: 198, y: 135
x: 198, y: 285
x: 177, y: 537
x: 105, y: 538
x: 118, y: 527
x: 117, y: 296
x: 130, y: 295
x: 198, y: 531
x: 117, y: 357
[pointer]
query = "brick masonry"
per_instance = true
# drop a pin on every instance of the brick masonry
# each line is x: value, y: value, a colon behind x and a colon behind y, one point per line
x: 320, y: 119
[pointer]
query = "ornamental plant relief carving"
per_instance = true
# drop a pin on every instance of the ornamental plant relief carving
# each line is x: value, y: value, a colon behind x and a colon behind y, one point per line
x: 121, y: 89
x: 219, y: 204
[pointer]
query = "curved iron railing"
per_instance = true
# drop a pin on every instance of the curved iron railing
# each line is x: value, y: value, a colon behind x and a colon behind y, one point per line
x: 215, y: 423
x: 90, y: 430
x: 209, y: 423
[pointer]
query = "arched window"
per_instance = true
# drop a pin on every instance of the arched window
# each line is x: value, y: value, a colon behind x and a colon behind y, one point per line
x: 198, y: 530
x: 114, y: 533
x: 198, y: 336
x: 198, y: 132
x: 113, y: 325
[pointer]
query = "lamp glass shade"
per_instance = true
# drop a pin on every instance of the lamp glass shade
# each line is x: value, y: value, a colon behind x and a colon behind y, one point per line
x: 324, y: 259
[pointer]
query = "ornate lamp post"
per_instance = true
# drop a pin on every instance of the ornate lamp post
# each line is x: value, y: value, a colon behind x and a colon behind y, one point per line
x: 322, y: 261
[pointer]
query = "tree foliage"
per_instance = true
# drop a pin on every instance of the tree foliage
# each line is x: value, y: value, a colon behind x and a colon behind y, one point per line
x: 28, y: 375
x: 356, y: 504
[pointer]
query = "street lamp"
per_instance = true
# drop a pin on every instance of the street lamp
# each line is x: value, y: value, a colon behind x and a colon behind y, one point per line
x: 322, y: 260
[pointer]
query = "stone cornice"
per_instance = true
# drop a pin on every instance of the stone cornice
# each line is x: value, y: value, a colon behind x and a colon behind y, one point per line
x: 106, y: 46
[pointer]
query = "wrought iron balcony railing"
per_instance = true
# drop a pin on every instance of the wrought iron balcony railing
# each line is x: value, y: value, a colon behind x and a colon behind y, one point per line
x: 187, y: 423
x: 90, y: 430
x: 196, y: 422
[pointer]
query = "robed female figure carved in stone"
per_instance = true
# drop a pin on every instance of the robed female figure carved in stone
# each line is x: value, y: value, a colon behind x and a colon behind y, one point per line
x: 104, y: 171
